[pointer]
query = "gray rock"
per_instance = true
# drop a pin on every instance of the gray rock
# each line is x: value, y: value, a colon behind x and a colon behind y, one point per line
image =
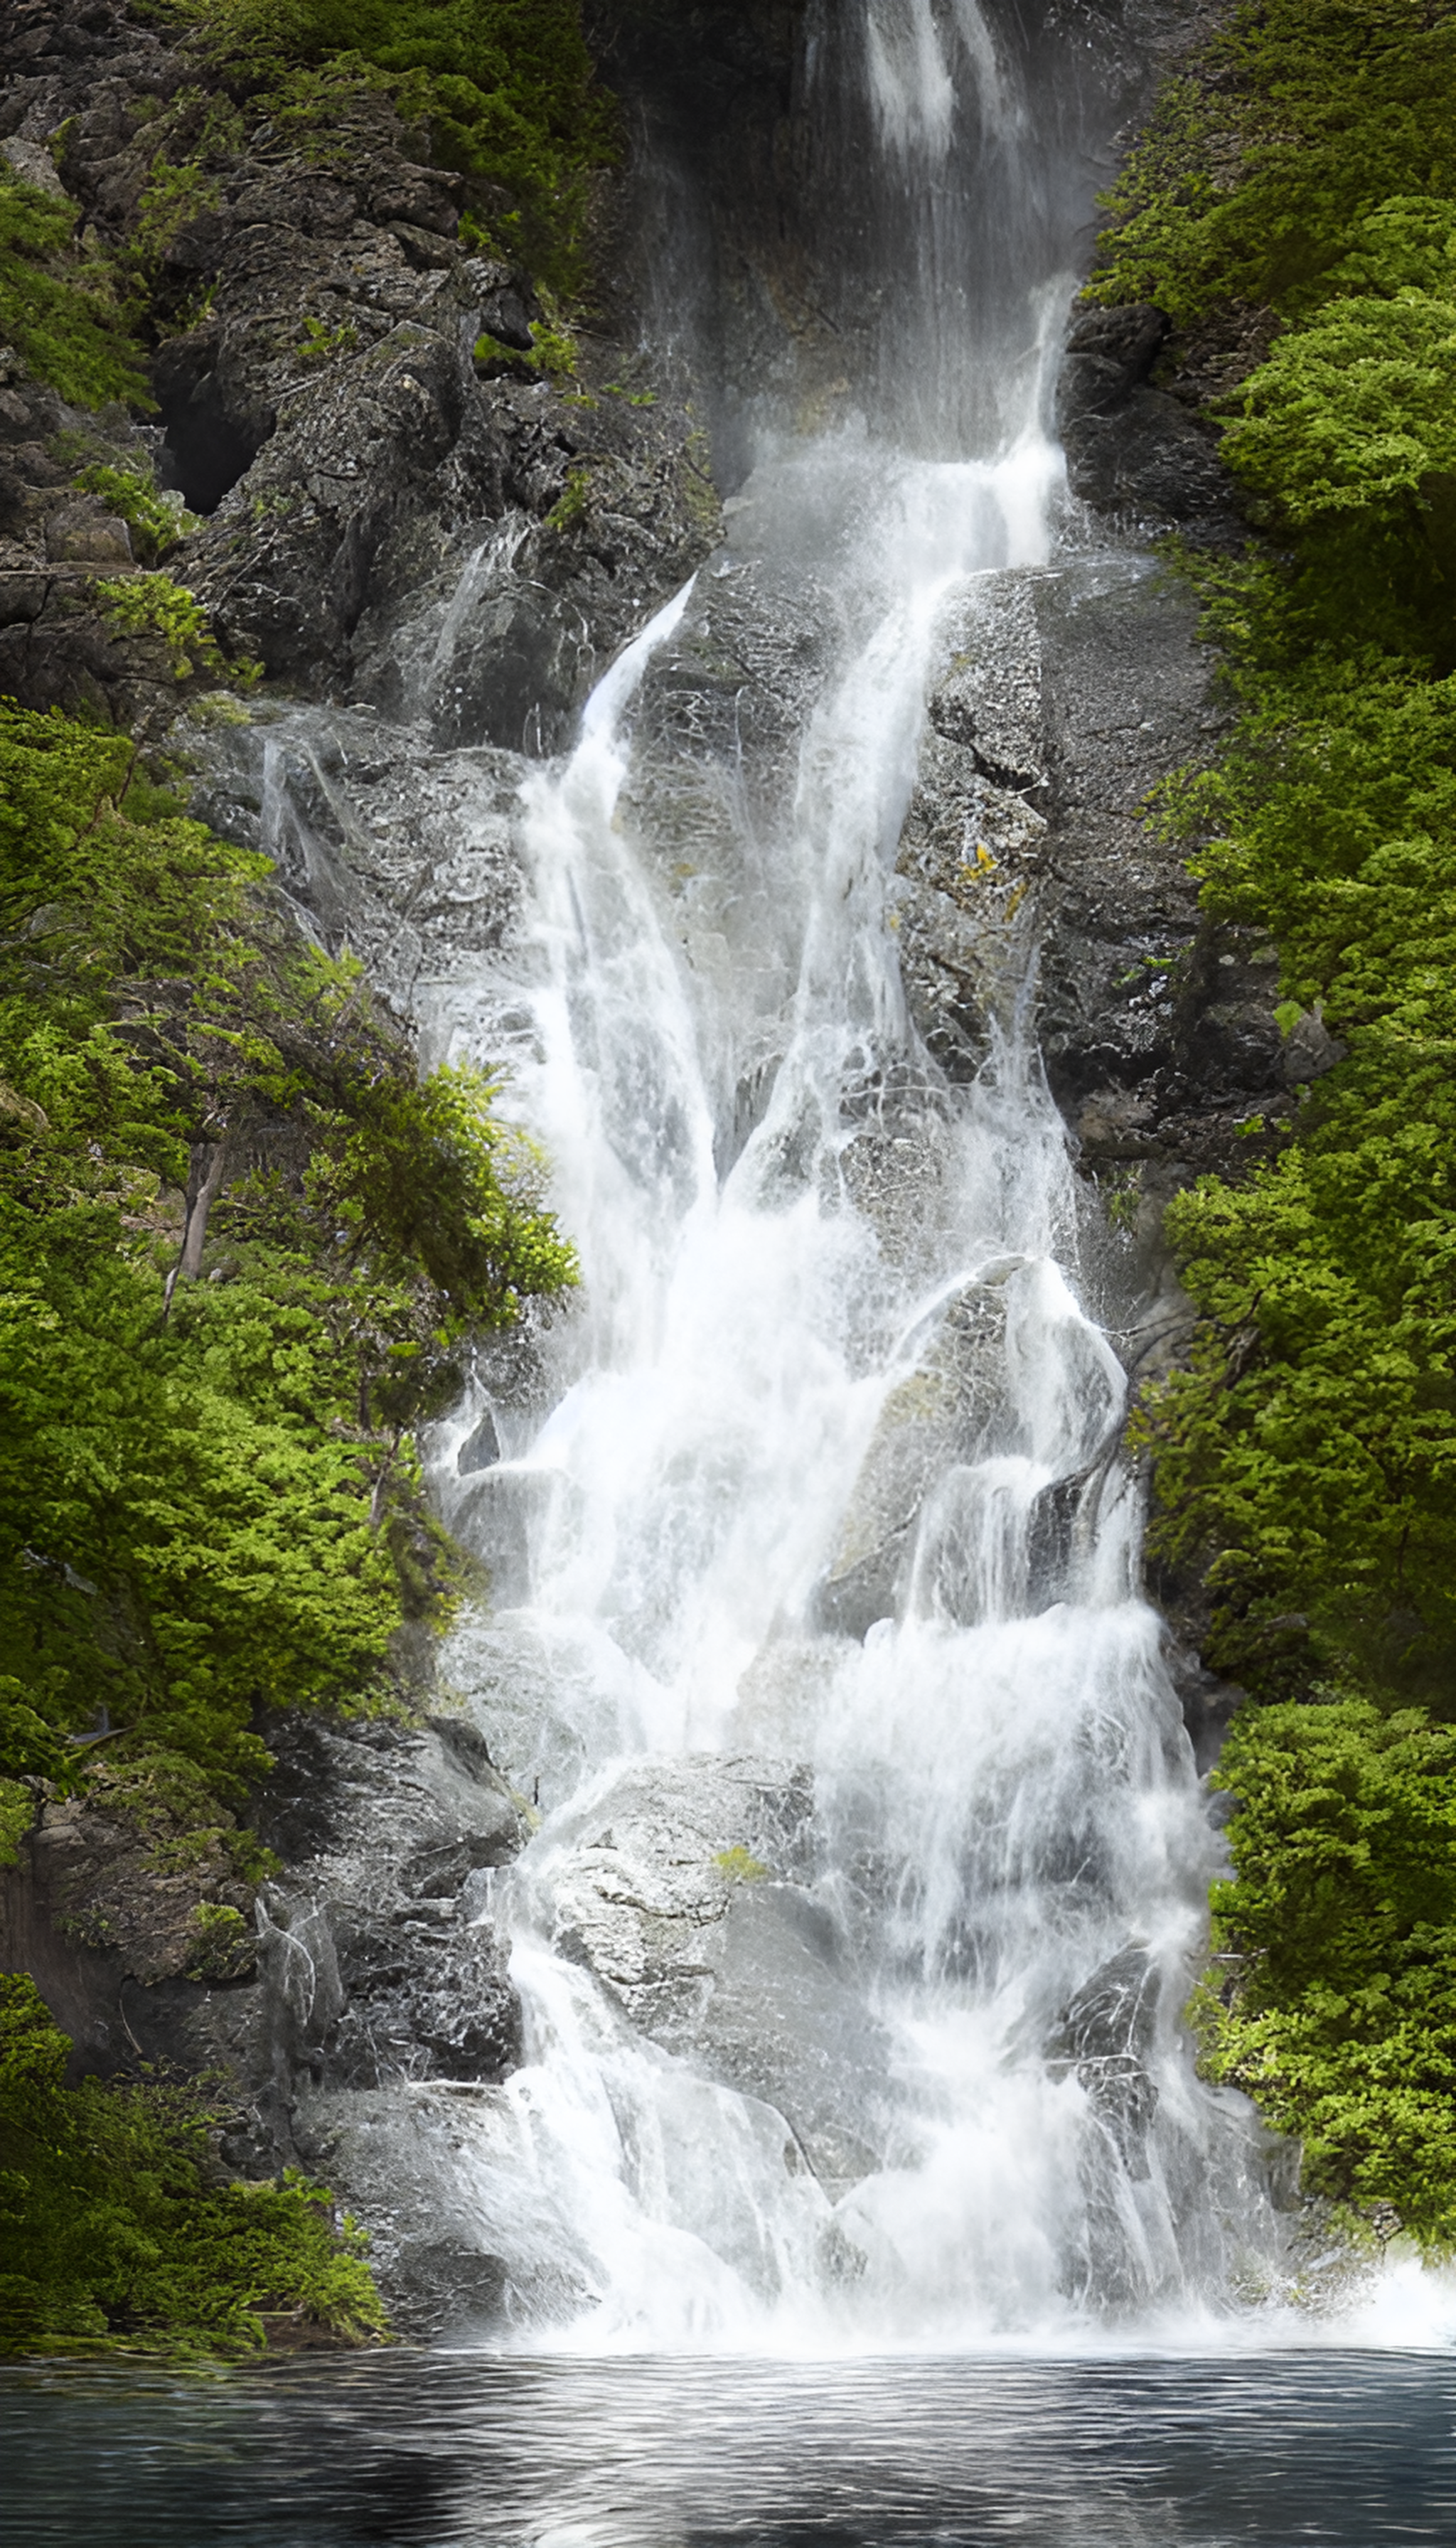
x: 34, y: 164
x: 498, y: 1518
x: 990, y: 698
x: 378, y: 1958
x: 1309, y: 1050
x: 1133, y: 450
x: 1105, y: 2034
x: 942, y: 1414
x: 684, y: 1889
x: 480, y: 1448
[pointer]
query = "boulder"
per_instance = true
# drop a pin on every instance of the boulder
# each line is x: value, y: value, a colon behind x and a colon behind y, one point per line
x: 1105, y: 2034
x: 940, y: 1415
x: 685, y: 1890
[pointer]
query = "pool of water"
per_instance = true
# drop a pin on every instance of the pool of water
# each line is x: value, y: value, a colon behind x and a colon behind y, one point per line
x: 1341, y: 2449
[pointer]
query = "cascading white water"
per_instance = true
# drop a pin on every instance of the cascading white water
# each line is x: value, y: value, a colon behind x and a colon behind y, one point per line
x: 924, y: 2081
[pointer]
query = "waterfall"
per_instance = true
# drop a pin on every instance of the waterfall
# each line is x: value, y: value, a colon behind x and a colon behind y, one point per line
x: 854, y: 1941
x: 871, y: 1870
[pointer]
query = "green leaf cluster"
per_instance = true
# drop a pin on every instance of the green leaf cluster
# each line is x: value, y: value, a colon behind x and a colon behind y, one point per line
x: 1305, y: 1463
x: 209, y: 1502
x: 60, y: 309
x: 1334, y: 2000
x: 156, y: 521
x: 119, y: 2236
x: 1297, y: 120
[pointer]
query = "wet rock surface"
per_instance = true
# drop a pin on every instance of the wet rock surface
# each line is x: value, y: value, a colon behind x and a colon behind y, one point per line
x: 323, y: 409
x: 326, y: 414
x: 1136, y: 449
x: 1155, y: 1024
x: 686, y: 1890
x: 1104, y: 2036
x: 139, y: 1927
x: 942, y: 1414
x: 376, y: 1945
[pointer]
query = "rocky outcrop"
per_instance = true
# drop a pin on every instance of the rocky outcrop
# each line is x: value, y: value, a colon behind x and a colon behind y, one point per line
x: 368, y: 1955
x: 941, y: 1413
x: 324, y: 409
x: 685, y: 1887
x: 59, y: 644
x: 1157, y: 1027
x: 1136, y: 449
x: 1104, y: 2037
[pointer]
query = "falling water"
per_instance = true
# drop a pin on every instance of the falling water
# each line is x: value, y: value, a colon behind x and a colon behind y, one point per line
x: 870, y: 1878
x: 854, y: 1941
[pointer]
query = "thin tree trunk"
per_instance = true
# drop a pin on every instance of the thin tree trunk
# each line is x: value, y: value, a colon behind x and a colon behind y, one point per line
x: 203, y: 1179
x: 381, y: 1483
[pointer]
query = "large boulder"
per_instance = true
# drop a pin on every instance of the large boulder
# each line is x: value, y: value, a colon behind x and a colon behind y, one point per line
x: 1104, y: 2036
x: 685, y: 1890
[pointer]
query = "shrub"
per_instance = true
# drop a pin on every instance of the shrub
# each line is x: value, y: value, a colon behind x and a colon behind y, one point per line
x: 115, y: 2236
x: 60, y: 310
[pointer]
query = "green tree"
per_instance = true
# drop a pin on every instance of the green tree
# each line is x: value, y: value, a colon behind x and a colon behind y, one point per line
x: 1336, y: 2004
x: 208, y: 1503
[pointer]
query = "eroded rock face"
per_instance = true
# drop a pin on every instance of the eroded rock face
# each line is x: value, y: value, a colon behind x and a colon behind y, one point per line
x: 378, y: 1954
x: 1133, y: 450
x: 940, y: 1414
x: 323, y: 409
x: 686, y: 1890
x: 1105, y: 2035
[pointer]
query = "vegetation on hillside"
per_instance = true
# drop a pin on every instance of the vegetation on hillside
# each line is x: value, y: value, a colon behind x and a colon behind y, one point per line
x: 60, y: 309
x: 122, y: 2236
x: 503, y: 90
x: 240, y: 1247
x: 1306, y: 1463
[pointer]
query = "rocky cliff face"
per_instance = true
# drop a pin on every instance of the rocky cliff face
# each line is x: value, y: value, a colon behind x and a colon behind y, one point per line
x: 432, y: 549
x: 323, y: 410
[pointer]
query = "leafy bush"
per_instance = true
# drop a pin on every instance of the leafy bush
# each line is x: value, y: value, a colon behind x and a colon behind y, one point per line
x: 1336, y: 2003
x: 156, y: 521
x: 1305, y: 1464
x: 115, y: 2236
x: 1297, y: 120
x: 59, y: 310
x: 138, y: 605
x: 202, y: 1483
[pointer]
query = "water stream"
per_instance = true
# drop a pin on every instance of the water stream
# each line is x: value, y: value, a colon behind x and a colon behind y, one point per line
x: 853, y: 1945
x: 872, y: 1866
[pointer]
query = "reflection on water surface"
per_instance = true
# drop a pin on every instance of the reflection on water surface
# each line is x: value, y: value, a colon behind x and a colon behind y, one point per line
x: 1342, y: 2450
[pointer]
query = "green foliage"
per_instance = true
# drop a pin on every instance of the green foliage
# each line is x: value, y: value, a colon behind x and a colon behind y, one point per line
x: 202, y: 1481
x: 154, y: 606
x: 574, y: 502
x: 1338, y: 2005
x: 60, y: 309
x: 504, y: 88
x: 319, y: 341
x: 176, y: 191
x: 739, y: 1865
x: 1305, y: 1463
x: 1301, y: 116
x: 117, y: 2238
x: 17, y: 1813
x: 156, y: 521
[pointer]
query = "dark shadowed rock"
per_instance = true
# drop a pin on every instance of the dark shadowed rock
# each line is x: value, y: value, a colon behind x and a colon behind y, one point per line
x: 1105, y: 2034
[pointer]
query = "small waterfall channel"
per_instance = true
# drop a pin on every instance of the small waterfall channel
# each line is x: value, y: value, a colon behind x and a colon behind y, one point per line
x: 872, y: 1867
